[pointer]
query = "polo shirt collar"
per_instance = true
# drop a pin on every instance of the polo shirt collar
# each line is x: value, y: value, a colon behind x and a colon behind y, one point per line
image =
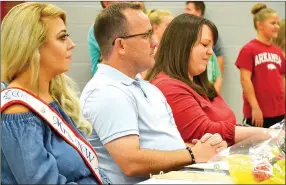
x: 116, y: 74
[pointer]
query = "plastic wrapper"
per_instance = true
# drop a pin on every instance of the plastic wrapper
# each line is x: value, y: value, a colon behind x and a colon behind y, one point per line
x: 256, y: 160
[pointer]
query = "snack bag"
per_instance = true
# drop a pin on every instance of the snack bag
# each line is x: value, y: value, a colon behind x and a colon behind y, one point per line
x: 257, y: 160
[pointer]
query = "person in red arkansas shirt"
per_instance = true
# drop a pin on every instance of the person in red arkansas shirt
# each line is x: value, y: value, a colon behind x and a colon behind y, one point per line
x: 180, y: 73
x: 262, y: 72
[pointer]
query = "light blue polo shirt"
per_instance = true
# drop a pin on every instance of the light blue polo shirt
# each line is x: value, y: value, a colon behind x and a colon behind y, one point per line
x: 117, y: 106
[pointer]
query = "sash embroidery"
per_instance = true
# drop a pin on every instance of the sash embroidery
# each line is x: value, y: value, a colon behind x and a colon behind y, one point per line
x: 12, y: 96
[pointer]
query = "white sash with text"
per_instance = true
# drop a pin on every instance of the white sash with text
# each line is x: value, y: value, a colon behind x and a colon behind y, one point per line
x: 10, y: 96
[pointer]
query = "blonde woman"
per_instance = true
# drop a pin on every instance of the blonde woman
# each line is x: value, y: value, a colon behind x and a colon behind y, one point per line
x: 46, y: 145
x: 280, y: 40
x: 159, y: 19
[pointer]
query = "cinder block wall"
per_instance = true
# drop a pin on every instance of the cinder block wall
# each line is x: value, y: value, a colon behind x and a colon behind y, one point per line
x: 233, y: 20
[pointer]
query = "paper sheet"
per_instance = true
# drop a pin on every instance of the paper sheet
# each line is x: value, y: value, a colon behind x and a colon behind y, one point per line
x: 222, y: 165
x: 166, y: 181
x: 188, y: 177
x: 169, y: 181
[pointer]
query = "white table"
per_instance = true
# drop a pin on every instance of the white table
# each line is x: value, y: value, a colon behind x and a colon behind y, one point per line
x: 167, y: 181
x: 197, y: 175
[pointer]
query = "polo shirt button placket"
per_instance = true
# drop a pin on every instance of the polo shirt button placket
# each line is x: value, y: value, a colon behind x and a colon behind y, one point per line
x: 137, y: 84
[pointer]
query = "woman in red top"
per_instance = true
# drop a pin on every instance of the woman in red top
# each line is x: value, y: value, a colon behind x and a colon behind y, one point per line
x: 180, y: 73
x: 262, y: 69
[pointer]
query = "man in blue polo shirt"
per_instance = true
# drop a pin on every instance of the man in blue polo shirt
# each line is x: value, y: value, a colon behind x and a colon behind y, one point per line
x: 134, y: 130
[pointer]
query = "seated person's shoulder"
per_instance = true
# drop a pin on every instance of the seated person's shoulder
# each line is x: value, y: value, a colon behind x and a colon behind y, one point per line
x: 115, y: 91
x: 170, y: 83
x: 16, y: 109
x: 107, y: 95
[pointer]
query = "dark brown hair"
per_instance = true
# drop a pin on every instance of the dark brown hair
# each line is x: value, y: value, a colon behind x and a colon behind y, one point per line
x: 173, y: 53
x: 110, y: 24
x: 199, y: 6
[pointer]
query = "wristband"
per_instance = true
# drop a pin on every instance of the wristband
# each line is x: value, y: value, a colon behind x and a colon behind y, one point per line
x: 192, y: 155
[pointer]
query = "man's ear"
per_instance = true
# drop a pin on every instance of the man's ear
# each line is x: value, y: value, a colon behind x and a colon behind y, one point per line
x: 120, y: 46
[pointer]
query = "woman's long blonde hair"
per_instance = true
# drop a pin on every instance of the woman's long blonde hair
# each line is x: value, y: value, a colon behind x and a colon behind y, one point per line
x: 23, y: 31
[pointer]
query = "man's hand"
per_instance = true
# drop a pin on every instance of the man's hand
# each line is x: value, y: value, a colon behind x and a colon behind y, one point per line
x: 216, y: 140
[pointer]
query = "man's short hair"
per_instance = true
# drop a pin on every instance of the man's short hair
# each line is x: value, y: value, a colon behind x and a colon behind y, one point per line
x: 110, y: 24
x: 199, y: 6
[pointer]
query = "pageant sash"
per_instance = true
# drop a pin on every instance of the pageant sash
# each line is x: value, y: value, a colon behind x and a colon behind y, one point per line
x: 10, y: 96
